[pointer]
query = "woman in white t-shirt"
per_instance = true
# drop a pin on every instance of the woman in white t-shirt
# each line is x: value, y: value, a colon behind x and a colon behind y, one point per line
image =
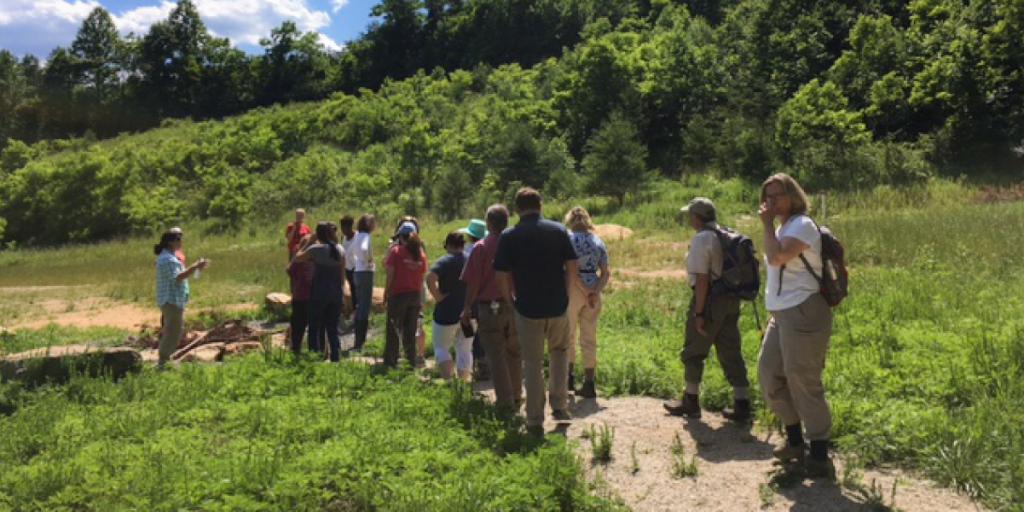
x: 796, y: 341
x: 360, y: 255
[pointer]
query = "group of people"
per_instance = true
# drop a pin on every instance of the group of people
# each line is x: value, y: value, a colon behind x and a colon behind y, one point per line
x: 536, y: 288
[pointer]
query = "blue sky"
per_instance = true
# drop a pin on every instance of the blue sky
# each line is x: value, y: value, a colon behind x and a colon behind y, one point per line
x: 39, y: 26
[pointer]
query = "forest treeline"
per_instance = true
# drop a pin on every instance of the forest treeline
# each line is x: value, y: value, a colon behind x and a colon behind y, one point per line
x: 445, y: 105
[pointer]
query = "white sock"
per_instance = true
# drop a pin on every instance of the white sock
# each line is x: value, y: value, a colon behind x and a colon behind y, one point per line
x: 740, y: 394
x: 693, y: 388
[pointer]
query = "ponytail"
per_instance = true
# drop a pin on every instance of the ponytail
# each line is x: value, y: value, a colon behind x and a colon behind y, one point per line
x: 165, y: 241
x: 414, y: 245
x: 326, y: 233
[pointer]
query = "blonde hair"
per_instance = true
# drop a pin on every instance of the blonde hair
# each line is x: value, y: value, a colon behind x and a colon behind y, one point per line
x: 798, y: 201
x: 578, y: 219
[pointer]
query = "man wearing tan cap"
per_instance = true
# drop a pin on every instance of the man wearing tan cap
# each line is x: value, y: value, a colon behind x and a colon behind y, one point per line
x: 711, y: 321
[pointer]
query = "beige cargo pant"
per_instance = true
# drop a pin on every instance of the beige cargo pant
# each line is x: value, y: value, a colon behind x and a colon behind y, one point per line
x: 171, y: 330
x: 791, y: 363
x: 501, y: 344
x: 583, y: 322
x: 532, y: 334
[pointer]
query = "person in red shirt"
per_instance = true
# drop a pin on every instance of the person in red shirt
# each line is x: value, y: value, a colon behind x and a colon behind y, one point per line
x: 496, y: 316
x: 295, y: 231
x: 406, y: 264
x: 300, y: 274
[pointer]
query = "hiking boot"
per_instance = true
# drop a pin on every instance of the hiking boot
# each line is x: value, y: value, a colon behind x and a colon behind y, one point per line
x: 740, y: 412
x: 572, y: 379
x: 789, y: 453
x: 561, y: 415
x: 820, y: 468
x: 688, y: 407
x: 588, y: 390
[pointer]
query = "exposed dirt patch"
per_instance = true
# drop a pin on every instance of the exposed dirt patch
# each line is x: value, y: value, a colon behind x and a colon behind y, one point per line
x: 609, y: 232
x: 90, y: 312
x: 101, y: 312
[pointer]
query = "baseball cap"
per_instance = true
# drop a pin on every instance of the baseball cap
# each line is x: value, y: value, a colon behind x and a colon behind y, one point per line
x: 407, y: 228
x: 700, y: 206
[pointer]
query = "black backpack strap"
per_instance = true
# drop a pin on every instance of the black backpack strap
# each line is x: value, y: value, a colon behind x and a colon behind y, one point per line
x: 811, y: 270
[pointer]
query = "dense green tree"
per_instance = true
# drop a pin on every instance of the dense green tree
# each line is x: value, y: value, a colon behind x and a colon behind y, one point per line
x: 616, y: 160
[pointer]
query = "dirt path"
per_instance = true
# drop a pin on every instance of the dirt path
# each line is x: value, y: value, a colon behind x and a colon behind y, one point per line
x: 734, y: 466
x: 96, y: 312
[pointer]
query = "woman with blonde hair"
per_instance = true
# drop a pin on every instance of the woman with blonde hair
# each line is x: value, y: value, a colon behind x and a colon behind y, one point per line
x: 796, y: 341
x: 585, y: 296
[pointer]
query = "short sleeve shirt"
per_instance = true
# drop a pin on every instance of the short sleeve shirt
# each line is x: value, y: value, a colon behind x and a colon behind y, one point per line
x: 408, y: 272
x: 360, y: 253
x: 592, y: 255
x: 798, y: 284
x: 327, y: 273
x: 296, y: 236
x: 480, y: 269
x: 168, y: 289
x: 535, y: 253
x: 704, y: 257
x: 448, y: 269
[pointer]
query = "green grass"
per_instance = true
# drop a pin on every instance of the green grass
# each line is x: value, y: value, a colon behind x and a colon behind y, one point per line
x: 276, y: 435
x: 926, y: 367
x: 21, y: 340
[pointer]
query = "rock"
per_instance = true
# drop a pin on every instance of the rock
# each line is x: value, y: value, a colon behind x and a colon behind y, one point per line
x: 279, y: 304
x: 209, y: 353
x: 609, y: 232
x: 242, y: 347
x: 57, y: 364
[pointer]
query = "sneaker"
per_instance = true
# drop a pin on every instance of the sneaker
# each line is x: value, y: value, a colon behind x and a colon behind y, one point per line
x: 688, y: 407
x: 820, y: 468
x: 588, y: 390
x: 740, y: 413
x: 789, y: 453
x: 561, y: 415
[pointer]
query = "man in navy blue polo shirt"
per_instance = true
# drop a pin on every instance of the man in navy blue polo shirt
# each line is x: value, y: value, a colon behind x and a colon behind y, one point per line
x: 537, y: 260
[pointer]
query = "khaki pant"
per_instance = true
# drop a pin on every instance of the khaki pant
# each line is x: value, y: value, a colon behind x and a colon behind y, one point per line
x: 170, y: 331
x: 721, y: 323
x: 532, y: 333
x: 583, y: 318
x: 791, y: 363
x: 497, y: 333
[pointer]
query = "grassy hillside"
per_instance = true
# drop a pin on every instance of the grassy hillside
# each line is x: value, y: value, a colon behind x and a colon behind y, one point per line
x: 925, y: 369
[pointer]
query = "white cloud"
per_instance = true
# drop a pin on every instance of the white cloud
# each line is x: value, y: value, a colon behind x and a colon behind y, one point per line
x: 337, y: 5
x: 38, y: 26
x: 137, y: 21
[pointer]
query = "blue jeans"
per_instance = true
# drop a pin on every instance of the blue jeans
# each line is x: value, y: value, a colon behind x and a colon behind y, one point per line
x: 325, y: 313
x: 364, y: 300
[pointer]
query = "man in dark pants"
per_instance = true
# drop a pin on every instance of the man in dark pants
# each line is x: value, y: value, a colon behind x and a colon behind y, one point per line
x: 537, y: 260
x: 712, y: 321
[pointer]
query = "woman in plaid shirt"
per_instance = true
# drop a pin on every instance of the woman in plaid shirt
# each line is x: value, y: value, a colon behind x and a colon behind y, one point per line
x: 172, y: 290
